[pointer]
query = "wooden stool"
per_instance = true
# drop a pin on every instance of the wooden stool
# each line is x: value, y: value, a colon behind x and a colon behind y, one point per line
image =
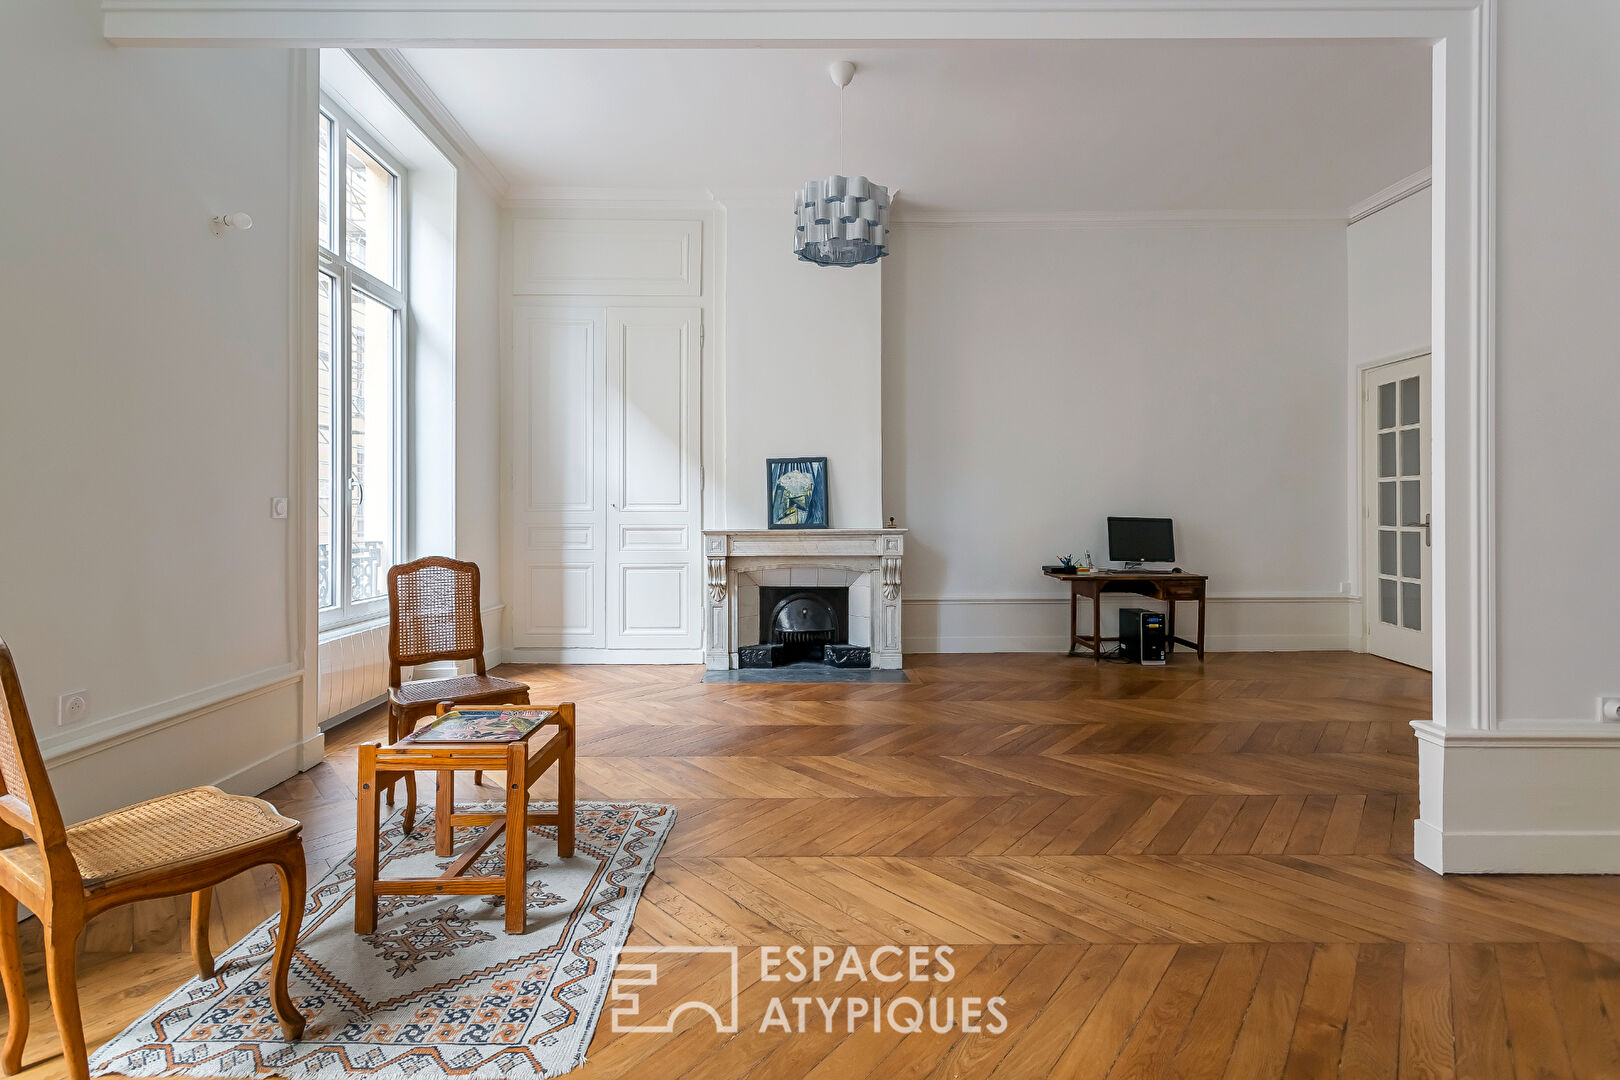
x: 496, y: 738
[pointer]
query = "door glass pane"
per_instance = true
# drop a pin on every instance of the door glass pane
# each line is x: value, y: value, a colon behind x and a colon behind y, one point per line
x: 1386, y: 602
x: 1411, y: 556
x: 1411, y: 455
x: 1411, y: 605
x: 1386, y: 405
x: 1411, y: 502
x: 1386, y: 551
x: 1386, y: 503
x: 371, y: 445
x: 1386, y: 454
x: 1409, y: 400
x: 323, y: 160
x: 326, y: 323
x: 369, y: 214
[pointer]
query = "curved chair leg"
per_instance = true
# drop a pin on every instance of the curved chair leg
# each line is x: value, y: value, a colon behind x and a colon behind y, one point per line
x: 201, y: 901
x: 11, y: 970
x: 61, y: 944
x: 478, y: 778
x: 290, y: 868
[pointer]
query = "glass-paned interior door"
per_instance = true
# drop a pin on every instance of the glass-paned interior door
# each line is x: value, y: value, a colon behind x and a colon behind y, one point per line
x: 1396, y: 514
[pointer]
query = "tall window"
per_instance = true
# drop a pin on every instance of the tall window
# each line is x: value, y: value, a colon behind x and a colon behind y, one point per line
x: 360, y: 356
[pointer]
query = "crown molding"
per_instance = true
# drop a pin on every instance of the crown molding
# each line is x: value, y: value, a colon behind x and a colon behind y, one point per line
x: 392, y: 62
x: 1400, y: 189
x: 546, y: 198
x: 1081, y: 219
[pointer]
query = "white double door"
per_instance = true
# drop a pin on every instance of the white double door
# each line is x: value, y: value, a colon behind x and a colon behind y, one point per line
x: 603, y: 437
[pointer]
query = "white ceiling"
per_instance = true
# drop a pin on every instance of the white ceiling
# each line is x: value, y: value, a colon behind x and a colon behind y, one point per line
x: 1034, y: 126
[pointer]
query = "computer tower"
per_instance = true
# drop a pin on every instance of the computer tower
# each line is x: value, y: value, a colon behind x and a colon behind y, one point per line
x: 1143, y: 636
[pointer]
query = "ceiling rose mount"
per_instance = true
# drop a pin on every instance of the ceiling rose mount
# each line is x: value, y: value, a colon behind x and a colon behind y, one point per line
x: 841, y: 220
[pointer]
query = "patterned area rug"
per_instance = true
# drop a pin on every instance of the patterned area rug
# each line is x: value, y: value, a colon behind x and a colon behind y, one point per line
x: 440, y: 989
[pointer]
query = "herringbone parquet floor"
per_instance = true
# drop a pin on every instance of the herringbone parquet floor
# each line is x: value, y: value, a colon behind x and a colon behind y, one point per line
x: 1187, y: 871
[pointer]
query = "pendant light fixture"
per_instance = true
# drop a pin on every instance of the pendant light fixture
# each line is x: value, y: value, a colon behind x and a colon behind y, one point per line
x: 842, y: 220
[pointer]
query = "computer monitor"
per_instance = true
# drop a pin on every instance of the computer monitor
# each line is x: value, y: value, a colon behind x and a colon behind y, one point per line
x: 1140, y: 540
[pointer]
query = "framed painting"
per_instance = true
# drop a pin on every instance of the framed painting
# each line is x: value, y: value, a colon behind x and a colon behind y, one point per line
x: 796, y: 493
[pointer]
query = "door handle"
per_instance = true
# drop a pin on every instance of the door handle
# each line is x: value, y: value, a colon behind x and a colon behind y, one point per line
x: 1427, y: 539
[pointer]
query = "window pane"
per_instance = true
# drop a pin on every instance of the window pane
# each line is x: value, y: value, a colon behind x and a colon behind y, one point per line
x: 1411, y: 555
x: 1411, y: 606
x: 324, y: 449
x: 1386, y: 454
x: 1386, y: 602
x: 369, y: 214
x: 371, y: 445
x: 1411, y: 456
x: 1386, y: 503
x: 1386, y: 551
x: 1409, y: 400
x: 323, y: 182
x: 1386, y: 405
x: 1411, y: 502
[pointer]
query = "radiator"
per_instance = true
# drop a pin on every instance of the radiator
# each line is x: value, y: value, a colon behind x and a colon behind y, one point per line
x: 353, y: 670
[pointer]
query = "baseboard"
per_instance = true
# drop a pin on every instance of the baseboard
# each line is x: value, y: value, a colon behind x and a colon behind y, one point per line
x: 1517, y: 852
x: 1531, y: 799
x: 273, y: 768
x: 1278, y: 622
x: 603, y: 656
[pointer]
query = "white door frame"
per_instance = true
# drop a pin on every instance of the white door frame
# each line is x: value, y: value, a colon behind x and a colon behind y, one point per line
x: 1461, y: 34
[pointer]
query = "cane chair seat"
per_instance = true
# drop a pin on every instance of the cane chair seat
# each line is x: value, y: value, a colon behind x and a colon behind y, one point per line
x: 161, y: 836
x: 459, y: 688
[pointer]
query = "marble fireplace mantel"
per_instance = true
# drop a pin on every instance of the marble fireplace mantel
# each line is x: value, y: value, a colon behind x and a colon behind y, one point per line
x: 867, y: 561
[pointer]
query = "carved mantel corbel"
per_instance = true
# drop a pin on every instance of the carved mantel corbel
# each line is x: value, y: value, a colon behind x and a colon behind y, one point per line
x: 891, y: 578
x: 717, y: 580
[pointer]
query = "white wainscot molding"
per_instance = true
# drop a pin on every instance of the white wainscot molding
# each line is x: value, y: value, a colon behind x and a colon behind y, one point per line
x: 1528, y: 797
x: 865, y: 561
x: 1257, y: 622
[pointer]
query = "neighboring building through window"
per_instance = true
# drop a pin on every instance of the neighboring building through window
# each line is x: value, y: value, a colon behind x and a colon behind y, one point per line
x: 360, y: 351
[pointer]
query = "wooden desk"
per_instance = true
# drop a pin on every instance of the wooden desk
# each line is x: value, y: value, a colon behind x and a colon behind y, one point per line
x: 1167, y: 587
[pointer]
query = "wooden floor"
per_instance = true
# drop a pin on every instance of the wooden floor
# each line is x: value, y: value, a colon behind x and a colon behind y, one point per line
x: 1184, y: 871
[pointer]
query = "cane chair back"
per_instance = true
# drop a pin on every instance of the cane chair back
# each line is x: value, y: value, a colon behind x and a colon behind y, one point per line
x: 433, y: 614
x: 28, y: 806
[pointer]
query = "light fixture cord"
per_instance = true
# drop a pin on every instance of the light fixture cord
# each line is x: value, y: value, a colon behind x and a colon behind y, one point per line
x: 841, y: 131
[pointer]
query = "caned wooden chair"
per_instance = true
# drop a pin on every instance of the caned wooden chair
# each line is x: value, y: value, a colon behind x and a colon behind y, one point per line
x: 187, y: 842
x: 433, y: 616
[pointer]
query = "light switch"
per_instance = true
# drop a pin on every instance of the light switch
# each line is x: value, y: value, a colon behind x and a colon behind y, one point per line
x: 278, y: 507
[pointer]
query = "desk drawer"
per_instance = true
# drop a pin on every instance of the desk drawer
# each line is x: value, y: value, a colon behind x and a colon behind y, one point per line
x: 1182, y: 590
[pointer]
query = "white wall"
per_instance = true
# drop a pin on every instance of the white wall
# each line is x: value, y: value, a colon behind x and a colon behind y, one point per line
x: 1038, y: 380
x: 478, y: 369
x: 1537, y: 792
x: 1389, y: 282
x: 144, y: 404
x: 803, y: 358
x: 1558, y: 377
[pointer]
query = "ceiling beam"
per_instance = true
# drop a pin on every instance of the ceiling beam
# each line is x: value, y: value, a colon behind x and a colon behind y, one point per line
x: 749, y: 23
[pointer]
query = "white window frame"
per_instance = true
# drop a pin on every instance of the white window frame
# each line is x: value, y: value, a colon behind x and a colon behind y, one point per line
x: 334, y: 261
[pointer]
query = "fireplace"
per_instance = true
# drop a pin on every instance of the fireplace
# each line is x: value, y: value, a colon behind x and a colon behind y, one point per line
x: 848, y: 582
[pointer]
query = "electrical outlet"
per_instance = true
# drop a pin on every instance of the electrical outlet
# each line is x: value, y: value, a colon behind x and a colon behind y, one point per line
x: 72, y: 707
x: 1609, y: 709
